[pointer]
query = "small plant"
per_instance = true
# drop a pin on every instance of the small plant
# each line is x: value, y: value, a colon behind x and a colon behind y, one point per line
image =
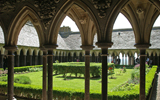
x: 124, y: 69
x: 22, y: 80
x: 56, y: 61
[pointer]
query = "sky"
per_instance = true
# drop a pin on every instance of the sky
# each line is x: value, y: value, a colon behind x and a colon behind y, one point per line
x: 118, y: 23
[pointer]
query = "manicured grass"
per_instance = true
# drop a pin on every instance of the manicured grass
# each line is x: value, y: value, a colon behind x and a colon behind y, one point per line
x: 78, y: 83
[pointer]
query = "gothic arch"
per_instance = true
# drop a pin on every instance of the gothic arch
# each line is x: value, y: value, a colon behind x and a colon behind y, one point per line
x: 56, y: 22
x: 25, y: 14
x: 134, y: 14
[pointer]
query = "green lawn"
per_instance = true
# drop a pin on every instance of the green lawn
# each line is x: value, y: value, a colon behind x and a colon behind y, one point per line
x: 78, y: 83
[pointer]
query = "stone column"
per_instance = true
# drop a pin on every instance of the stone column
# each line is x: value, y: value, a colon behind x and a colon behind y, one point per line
x: 130, y: 60
x: 115, y: 59
x: 10, y: 58
x: 122, y: 59
x: 133, y: 60
x: 36, y: 59
x: 50, y: 74
x: 104, y: 48
x: 72, y: 59
x: 142, y: 48
x: 126, y: 59
x: 41, y: 62
x: 30, y: 60
x: 104, y: 73
x: 24, y: 60
x: 1, y: 58
x: 87, y: 75
x: 87, y: 71
x: 44, y: 91
x: 142, y: 74
x: 17, y: 61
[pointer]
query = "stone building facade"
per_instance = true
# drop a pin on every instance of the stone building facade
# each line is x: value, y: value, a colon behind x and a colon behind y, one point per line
x: 69, y: 50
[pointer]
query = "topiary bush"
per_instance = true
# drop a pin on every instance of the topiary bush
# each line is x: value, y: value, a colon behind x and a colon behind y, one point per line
x: 22, y: 80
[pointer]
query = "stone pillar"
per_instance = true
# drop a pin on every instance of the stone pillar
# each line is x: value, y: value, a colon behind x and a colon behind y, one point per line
x: 17, y: 61
x: 104, y: 48
x: 41, y: 62
x: 24, y: 60
x: 1, y: 58
x: 132, y: 60
x: 50, y: 74
x: 72, y: 59
x: 126, y: 59
x: 44, y: 91
x: 36, y: 59
x: 122, y: 59
x: 87, y: 71
x: 142, y: 48
x: 104, y: 73
x: 115, y: 59
x: 10, y: 58
x: 142, y: 74
x: 129, y: 60
x: 87, y: 75
x: 30, y: 60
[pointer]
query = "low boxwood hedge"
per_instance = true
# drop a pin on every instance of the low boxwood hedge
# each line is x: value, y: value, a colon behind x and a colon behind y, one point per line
x: 78, y: 68
x: 34, y: 91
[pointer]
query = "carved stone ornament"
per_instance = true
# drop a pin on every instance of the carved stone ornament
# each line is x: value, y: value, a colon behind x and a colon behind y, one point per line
x: 8, y: 5
x: 46, y: 10
x: 101, y: 6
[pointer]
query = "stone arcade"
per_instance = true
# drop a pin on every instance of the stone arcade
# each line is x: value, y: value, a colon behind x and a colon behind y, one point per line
x: 91, y: 17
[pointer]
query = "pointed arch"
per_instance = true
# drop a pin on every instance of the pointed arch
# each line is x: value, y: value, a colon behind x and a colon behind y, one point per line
x: 25, y: 14
x: 56, y: 22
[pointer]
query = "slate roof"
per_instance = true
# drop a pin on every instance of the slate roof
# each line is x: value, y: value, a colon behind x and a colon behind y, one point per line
x: 122, y: 39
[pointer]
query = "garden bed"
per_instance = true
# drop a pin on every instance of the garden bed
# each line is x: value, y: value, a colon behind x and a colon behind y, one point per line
x: 35, y: 91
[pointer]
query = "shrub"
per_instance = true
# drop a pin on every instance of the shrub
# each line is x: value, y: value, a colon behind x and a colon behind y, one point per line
x: 4, y: 78
x: 22, y: 80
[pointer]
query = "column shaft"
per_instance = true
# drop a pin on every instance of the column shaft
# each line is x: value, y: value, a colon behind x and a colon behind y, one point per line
x: 104, y: 73
x: 24, y: 60
x: 1, y: 62
x: 30, y: 58
x: 122, y: 59
x: 142, y: 74
x: 50, y: 74
x: 36, y: 59
x: 44, y: 92
x: 10, y: 75
x: 87, y: 75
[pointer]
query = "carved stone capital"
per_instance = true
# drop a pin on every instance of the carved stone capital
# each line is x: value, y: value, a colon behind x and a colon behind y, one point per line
x: 49, y: 47
x: 10, y: 48
x: 104, y: 45
x: 87, y: 47
x: 101, y: 6
x: 142, y: 45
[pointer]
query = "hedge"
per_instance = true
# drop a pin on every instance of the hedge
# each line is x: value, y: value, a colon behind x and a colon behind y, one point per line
x: 34, y: 91
x: 78, y: 68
